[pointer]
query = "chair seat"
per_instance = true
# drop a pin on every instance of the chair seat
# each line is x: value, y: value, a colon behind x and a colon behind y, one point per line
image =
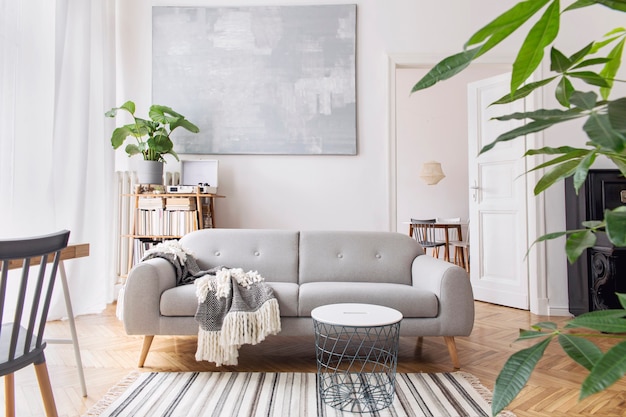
x: 461, y: 253
x: 20, y: 359
x: 431, y: 244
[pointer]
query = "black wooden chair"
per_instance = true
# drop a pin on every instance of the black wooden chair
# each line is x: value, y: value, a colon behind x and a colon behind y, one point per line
x: 23, y: 317
x: 424, y: 232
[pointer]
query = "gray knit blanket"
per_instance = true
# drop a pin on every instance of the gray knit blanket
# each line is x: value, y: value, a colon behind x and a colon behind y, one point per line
x: 234, y: 307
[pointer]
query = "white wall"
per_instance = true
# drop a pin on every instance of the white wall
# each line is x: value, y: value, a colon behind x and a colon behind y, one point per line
x: 311, y: 192
x: 428, y: 128
x: 351, y: 192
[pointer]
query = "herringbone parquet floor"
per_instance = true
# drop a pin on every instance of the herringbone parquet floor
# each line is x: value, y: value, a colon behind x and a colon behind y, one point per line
x: 109, y: 355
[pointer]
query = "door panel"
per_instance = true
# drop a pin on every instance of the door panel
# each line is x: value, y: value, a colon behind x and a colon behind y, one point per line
x: 498, y: 236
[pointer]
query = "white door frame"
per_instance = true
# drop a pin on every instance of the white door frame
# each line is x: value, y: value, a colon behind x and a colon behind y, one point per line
x: 537, y: 267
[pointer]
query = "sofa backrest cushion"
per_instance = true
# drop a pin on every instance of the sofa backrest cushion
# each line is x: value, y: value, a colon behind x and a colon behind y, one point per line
x: 272, y: 253
x: 348, y: 256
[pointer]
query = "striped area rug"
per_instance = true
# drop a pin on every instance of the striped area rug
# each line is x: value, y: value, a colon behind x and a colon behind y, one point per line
x: 243, y: 394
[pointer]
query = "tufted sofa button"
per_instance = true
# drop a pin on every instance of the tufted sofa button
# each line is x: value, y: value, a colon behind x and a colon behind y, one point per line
x: 378, y: 256
x: 217, y: 253
x: 256, y: 253
x: 339, y: 255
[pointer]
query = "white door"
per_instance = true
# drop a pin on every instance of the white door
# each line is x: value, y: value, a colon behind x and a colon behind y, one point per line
x: 498, y: 223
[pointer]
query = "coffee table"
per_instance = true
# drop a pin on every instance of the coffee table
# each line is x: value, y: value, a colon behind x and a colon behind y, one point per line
x: 356, y: 348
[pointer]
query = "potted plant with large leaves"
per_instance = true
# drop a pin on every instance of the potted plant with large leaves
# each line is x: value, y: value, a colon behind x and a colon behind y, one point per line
x: 151, y: 138
x: 583, y: 84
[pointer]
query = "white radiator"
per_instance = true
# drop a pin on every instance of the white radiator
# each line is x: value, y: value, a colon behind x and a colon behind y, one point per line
x: 126, y: 181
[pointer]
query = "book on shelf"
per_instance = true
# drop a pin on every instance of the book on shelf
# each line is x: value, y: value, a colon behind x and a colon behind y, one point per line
x: 146, y: 203
x: 159, y: 222
x: 141, y: 246
x: 180, y: 203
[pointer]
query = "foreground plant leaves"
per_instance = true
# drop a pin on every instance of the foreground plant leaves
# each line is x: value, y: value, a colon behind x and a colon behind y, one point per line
x: 581, y: 350
x: 609, y: 368
x: 616, y: 225
x: 515, y: 374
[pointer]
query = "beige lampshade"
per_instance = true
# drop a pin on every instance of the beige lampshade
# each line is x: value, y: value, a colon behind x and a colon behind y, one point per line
x: 431, y: 172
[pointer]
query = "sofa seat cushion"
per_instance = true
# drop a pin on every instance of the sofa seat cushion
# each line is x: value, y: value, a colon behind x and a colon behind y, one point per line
x: 411, y: 302
x: 182, y: 302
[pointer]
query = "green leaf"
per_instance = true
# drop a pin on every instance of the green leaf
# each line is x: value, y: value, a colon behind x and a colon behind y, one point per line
x: 601, y: 44
x: 577, y: 243
x: 515, y: 374
x: 574, y: 155
x: 601, y: 133
x: 522, y: 92
x: 554, y: 151
x: 595, y: 316
x: 445, y: 69
x: 613, y: 4
x: 507, y: 22
x: 132, y: 149
x: 581, y: 350
x: 589, y: 77
x: 531, y: 52
x: 585, y: 101
x: 611, y: 68
x: 129, y: 106
x: 185, y: 124
x: 593, y: 224
x: 583, y: 168
x: 557, y: 173
x: 563, y: 92
x: 617, y: 114
x: 579, y: 4
x: 545, y: 325
x: 577, y: 56
x: 619, y: 162
x: 616, y: 225
x: 532, y: 127
x: 610, y: 368
x: 610, y: 322
x: 622, y: 299
x: 550, y: 236
x: 558, y: 61
x: 119, y: 135
x: 530, y: 334
x: 556, y: 115
x: 590, y: 62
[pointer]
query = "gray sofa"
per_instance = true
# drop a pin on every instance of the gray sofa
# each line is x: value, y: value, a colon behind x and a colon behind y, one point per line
x: 307, y: 269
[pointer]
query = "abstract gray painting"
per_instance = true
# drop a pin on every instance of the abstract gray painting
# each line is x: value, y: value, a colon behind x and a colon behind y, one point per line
x: 258, y: 80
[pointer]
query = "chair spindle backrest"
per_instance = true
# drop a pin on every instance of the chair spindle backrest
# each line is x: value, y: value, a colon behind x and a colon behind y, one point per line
x: 424, y: 231
x: 34, y: 293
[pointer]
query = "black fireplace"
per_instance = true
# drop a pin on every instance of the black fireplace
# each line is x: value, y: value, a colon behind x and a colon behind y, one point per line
x: 600, y: 272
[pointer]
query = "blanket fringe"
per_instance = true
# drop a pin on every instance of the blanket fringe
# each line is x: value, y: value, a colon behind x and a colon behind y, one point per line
x: 210, y: 349
x: 222, y: 347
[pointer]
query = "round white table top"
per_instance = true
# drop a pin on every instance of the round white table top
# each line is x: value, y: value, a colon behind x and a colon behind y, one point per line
x: 356, y: 315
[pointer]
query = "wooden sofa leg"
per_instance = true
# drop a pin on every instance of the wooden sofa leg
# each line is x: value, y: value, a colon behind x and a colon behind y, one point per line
x: 147, y: 341
x: 419, y: 344
x: 452, y: 349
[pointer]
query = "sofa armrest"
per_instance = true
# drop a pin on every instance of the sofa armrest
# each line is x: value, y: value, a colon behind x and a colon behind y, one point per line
x: 452, y: 287
x: 146, y: 282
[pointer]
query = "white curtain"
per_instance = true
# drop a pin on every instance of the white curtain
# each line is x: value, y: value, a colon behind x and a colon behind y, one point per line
x: 56, y: 161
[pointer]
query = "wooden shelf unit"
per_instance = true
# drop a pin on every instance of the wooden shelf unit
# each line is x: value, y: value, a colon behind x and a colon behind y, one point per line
x: 203, y: 216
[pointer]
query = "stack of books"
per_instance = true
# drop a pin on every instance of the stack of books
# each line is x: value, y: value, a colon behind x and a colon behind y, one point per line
x: 180, y: 203
x: 146, y: 203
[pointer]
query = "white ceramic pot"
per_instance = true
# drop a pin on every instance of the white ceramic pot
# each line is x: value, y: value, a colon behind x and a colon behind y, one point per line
x: 149, y: 172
